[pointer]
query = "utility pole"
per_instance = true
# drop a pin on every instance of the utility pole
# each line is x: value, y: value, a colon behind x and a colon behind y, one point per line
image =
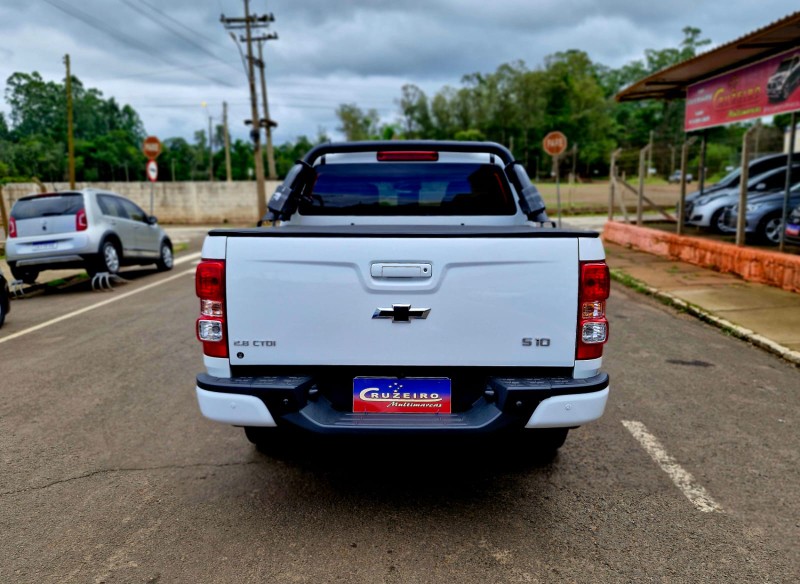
x: 70, y: 141
x: 227, y: 141
x: 210, y: 150
x: 248, y: 23
x: 650, y: 155
x: 267, y: 121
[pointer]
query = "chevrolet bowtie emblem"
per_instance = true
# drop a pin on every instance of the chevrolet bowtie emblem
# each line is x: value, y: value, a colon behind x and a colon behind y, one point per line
x: 401, y: 313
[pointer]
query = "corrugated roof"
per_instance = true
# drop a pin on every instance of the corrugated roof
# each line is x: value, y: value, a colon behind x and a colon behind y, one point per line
x: 671, y: 83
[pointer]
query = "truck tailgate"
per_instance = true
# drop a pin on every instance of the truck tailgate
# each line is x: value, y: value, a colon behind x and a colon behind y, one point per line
x: 312, y: 300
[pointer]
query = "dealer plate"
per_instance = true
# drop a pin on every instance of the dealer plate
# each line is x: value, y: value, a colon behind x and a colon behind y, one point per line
x: 409, y: 395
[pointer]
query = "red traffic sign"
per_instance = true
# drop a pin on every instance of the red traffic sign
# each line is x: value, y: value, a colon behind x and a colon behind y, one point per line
x: 152, y: 171
x: 151, y: 147
x: 554, y: 143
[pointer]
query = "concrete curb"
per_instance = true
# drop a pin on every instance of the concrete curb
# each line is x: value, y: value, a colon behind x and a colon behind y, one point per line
x: 734, y: 329
x: 754, y: 265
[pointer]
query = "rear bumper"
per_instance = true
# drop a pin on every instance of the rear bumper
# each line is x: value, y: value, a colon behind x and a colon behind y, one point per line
x: 507, y: 403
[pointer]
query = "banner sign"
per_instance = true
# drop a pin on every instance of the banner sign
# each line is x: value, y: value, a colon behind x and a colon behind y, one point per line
x: 761, y: 89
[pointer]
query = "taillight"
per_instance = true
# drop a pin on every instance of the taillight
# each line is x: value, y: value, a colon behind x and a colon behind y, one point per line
x: 81, y: 222
x: 594, y: 289
x: 209, y: 283
x: 408, y: 156
x: 12, y: 227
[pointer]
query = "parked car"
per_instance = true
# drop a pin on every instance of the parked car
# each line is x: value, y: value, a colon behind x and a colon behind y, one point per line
x: 707, y: 211
x: 764, y: 215
x: 675, y: 177
x: 785, y: 79
x: 92, y: 229
x: 731, y: 180
x: 793, y: 227
x: 5, y: 305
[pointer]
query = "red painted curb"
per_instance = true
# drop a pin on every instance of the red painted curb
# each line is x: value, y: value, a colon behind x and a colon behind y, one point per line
x: 755, y: 265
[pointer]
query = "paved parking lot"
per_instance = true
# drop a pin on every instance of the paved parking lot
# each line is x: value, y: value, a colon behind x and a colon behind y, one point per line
x: 110, y: 474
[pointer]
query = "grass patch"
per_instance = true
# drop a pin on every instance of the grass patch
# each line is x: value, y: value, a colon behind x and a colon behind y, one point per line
x: 638, y: 286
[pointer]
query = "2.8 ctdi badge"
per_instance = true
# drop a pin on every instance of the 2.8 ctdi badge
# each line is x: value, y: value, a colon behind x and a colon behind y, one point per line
x: 389, y: 395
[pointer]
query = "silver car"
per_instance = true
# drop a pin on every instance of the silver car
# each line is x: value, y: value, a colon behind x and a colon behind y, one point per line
x: 708, y: 210
x: 96, y: 230
x: 764, y: 215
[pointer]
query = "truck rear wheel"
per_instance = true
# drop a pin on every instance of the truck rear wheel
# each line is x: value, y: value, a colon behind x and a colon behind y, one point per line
x: 545, y: 442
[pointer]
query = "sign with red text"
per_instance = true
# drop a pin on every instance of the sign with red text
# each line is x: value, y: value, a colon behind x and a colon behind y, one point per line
x: 765, y: 88
x: 554, y: 143
x: 151, y: 147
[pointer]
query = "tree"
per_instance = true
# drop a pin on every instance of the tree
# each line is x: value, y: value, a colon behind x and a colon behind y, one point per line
x: 357, y: 124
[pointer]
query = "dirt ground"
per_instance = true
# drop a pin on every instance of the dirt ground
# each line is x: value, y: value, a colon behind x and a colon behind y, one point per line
x: 593, y: 197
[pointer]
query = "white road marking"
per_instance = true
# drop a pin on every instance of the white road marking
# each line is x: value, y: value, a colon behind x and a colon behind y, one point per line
x: 187, y: 258
x: 93, y: 306
x: 682, y: 478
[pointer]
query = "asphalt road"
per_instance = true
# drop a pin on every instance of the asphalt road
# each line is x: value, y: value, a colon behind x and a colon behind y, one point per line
x: 110, y: 474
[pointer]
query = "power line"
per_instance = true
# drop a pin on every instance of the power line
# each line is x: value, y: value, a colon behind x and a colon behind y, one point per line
x: 153, y: 72
x: 124, y: 38
x: 173, y: 29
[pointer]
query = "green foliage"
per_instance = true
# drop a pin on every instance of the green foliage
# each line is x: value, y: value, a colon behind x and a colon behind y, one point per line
x: 107, y: 136
x: 517, y: 106
x: 357, y: 124
x: 514, y: 105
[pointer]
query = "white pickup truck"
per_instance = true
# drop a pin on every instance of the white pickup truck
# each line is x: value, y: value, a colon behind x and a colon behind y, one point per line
x: 404, y: 287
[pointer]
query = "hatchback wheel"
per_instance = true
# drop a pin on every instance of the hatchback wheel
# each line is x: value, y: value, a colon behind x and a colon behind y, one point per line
x: 770, y: 228
x: 165, y: 259
x: 717, y: 223
x: 108, y: 261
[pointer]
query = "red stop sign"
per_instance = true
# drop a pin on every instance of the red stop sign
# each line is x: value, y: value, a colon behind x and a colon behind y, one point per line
x: 554, y: 143
x: 151, y: 147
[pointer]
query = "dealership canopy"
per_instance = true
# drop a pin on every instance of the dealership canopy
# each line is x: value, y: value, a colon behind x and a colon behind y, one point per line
x: 673, y: 82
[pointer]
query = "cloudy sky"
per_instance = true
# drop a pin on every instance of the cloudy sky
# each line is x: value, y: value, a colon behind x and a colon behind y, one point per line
x: 167, y: 57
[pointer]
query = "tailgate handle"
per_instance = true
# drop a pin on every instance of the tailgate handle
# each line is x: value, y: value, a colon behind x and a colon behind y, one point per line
x: 398, y: 270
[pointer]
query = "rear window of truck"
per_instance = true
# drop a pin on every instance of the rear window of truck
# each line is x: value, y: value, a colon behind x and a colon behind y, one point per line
x: 409, y: 188
x: 47, y: 206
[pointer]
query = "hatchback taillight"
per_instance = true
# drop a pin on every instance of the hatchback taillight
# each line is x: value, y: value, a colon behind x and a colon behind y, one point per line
x: 210, y: 288
x: 595, y: 287
x: 81, y: 222
x: 12, y: 227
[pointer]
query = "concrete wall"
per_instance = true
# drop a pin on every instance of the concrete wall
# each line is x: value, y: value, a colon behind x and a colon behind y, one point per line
x: 192, y: 203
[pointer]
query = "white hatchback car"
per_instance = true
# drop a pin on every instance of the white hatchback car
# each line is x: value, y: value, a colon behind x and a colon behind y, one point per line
x: 92, y: 229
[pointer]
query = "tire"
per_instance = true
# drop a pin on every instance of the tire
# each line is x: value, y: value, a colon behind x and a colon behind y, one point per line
x: 165, y: 260
x: 714, y: 223
x: 268, y: 440
x: 28, y: 276
x: 109, y: 259
x: 3, y: 302
x: 543, y: 443
x: 769, y: 229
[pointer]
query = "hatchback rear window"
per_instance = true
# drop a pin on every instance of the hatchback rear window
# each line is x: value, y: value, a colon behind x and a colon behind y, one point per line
x: 408, y: 188
x: 47, y: 206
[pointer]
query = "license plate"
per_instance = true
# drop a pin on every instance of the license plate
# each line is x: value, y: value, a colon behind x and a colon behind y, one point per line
x: 45, y: 246
x: 410, y: 395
